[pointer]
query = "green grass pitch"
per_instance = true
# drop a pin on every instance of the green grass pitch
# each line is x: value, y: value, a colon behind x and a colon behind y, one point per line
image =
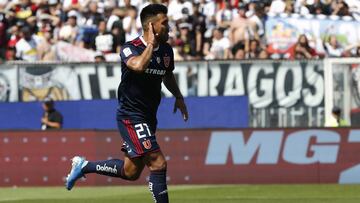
x: 187, y: 194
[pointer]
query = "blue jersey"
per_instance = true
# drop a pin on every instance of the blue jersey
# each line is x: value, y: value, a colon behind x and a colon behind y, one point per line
x: 139, y: 94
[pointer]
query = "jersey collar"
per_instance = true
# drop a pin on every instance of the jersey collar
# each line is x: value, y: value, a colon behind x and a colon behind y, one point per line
x: 143, y: 41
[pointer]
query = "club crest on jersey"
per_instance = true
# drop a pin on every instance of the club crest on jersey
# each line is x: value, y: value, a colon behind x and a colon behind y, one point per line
x: 147, y: 144
x: 167, y: 61
x: 158, y: 60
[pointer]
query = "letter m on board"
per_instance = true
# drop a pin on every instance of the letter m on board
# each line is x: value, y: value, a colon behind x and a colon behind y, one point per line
x: 265, y: 144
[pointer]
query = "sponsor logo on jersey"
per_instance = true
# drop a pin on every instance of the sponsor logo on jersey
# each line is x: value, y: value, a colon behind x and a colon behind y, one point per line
x: 155, y: 71
x: 158, y: 60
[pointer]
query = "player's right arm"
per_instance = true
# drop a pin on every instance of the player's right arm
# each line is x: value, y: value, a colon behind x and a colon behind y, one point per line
x: 140, y: 63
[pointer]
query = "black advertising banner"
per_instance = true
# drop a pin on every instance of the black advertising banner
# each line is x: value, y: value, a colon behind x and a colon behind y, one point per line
x: 8, y: 84
x: 281, y: 93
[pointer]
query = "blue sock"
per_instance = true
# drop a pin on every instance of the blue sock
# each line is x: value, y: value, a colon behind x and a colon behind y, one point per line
x: 158, y: 186
x: 113, y: 168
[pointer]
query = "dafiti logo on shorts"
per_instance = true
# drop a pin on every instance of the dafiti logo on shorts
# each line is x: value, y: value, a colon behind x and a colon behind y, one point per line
x: 106, y: 168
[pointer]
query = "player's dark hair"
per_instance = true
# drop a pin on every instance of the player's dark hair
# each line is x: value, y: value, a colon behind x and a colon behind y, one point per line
x: 150, y: 11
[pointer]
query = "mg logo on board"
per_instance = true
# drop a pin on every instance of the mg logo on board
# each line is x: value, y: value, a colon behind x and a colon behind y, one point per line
x: 270, y: 147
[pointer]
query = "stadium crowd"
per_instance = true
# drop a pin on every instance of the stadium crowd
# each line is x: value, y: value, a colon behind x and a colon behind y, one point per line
x: 200, y: 29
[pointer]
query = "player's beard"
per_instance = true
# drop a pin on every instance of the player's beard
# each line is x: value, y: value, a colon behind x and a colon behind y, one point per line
x: 163, y: 38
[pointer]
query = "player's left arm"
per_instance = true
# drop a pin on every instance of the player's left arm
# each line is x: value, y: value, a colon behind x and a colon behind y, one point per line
x: 171, y: 85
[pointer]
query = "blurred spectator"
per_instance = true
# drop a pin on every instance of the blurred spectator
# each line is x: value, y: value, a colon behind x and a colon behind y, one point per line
x: 68, y: 5
x: 45, y: 47
x: 130, y: 25
x: 220, y: 47
x: 116, y: 16
x: 318, y: 7
x: 70, y: 30
x: 341, y: 8
x: 3, y: 28
x: 332, y: 47
x: 252, y: 49
x: 242, y: 28
x: 176, y: 49
x: 198, y: 24
x: 47, y: 23
x: 277, y: 7
x: 23, y: 9
x: 104, y: 41
x: 178, y: 9
x: 92, y: 16
x: 51, y: 119
x: 357, y: 52
x: 127, y: 5
x: 99, y: 57
x: 11, y: 54
x: 192, y: 81
x: 289, y: 7
x: 300, y: 7
x: 336, y: 120
x: 238, y: 51
x: 257, y: 18
x: 118, y: 34
x: 263, y: 54
x: 301, y: 49
x: 225, y: 15
x: 26, y: 47
x: 14, y: 34
x: 208, y: 8
x: 130, y: 3
x: 81, y: 23
x: 185, y: 42
x: 88, y: 23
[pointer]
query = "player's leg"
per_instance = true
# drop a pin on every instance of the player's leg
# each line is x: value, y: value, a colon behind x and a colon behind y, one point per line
x: 128, y: 169
x: 143, y: 143
x: 156, y: 162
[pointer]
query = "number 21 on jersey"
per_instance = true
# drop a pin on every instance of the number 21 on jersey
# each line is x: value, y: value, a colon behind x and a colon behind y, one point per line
x: 142, y: 130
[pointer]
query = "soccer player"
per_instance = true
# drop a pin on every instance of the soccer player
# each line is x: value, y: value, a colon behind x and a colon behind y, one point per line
x: 146, y: 62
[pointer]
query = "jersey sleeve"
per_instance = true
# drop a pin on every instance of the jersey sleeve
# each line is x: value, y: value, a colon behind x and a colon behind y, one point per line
x: 128, y: 51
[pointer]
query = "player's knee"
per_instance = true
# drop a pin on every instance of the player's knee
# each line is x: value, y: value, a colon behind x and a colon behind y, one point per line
x: 159, y: 166
x: 132, y: 176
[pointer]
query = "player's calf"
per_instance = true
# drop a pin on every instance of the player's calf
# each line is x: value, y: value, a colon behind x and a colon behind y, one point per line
x: 112, y: 167
x: 157, y: 181
x: 158, y: 186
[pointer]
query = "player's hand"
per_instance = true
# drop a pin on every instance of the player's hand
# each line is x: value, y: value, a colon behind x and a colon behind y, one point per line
x: 151, y: 34
x: 180, y: 104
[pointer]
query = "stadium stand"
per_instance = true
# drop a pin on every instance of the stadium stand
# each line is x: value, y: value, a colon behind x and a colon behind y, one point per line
x: 200, y: 29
